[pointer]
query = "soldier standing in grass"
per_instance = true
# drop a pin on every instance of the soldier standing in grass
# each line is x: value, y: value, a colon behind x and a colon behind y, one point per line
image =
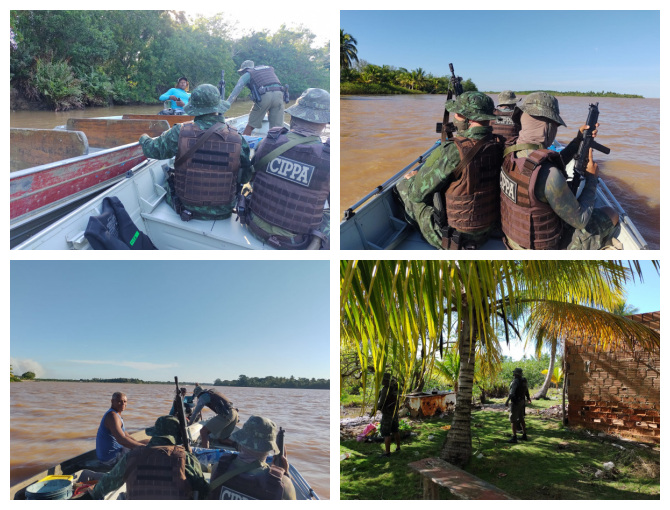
x: 388, y: 404
x: 518, y: 393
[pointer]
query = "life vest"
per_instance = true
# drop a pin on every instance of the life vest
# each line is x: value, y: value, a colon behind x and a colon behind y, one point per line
x: 217, y: 402
x: 290, y: 191
x: 106, y: 445
x: 269, y: 484
x: 504, y: 126
x: 157, y: 472
x: 527, y: 221
x: 208, y: 178
x: 262, y: 76
x: 472, y: 199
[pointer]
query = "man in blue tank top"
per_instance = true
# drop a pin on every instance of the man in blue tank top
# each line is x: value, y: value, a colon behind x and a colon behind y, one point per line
x: 112, y: 441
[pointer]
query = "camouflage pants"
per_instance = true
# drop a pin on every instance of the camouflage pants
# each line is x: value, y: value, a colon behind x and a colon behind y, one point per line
x: 422, y: 216
x: 593, y: 236
x: 389, y: 424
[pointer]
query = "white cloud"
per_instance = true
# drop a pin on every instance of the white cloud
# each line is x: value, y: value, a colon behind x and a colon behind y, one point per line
x: 137, y: 365
x: 23, y: 365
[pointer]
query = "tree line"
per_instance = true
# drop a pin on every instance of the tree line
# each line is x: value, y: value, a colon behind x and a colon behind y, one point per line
x: 276, y: 382
x: 72, y: 59
x: 360, y: 77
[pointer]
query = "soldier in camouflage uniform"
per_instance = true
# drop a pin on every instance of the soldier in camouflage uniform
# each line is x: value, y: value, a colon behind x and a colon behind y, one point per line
x: 208, y: 108
x: 507, y: 100
x: 292, y: 180
x: 246, y: 475
x: 419, y: 189
x: 584, y: 228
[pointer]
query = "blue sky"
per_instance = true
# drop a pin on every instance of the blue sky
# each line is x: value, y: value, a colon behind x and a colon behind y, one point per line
x: 199, y: 320
x: 616, y: 51
x: 645, y: 295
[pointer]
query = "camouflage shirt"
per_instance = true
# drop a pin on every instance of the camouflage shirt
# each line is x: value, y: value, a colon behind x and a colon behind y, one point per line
x: 165, y: 146
x: 433, y: 176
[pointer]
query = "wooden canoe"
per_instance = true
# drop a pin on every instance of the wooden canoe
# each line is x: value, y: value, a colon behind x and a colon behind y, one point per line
x: 33, y: 147
x: 171, y: 119
x: 106, y: 133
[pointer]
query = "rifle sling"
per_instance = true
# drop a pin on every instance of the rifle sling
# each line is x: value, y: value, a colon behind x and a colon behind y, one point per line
x: 283, y: 148
x: 230, y: 474
x: 521, y: 147
x: 199, y: 143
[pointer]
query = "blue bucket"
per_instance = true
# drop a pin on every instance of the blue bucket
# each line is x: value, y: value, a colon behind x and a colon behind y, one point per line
x: 50, y: 489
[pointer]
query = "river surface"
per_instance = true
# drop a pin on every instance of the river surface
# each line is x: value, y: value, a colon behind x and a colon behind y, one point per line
x: 41, y: 119
x: 53, y: 421
x: 382, y: 134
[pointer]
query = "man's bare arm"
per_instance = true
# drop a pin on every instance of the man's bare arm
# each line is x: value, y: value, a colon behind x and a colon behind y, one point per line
x: 113, y: 423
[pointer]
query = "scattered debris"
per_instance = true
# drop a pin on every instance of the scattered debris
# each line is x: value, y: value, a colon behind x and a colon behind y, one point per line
x: 599, y: 473
x: 608, y: 466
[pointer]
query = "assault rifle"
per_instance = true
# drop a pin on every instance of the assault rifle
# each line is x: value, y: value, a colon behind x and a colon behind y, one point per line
x: 222, y: 84
x: 179, y: 407
x: 582, y: 156
x: 445, y: 127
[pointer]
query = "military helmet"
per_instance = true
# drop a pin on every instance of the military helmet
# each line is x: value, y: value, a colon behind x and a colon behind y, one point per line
x: 507, y: 97
x: 472, y: 105
x: 246, y: 65
x: 206, y: 99
x: 313, y: 105
x: 541, y: 104
x: 258, y: 434
x: 166, y: 427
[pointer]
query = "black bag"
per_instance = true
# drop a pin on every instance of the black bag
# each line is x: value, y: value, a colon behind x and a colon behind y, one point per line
x: 114, y: 230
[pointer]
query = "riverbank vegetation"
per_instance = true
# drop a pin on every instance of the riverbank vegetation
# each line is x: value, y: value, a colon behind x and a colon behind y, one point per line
x: 71, y: 59
x: 276, y: 382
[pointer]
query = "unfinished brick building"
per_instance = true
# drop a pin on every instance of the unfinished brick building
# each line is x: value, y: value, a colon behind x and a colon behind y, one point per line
x: 616, y: 391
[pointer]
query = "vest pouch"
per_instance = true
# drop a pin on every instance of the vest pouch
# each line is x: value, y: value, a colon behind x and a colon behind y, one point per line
x: 113, y: 229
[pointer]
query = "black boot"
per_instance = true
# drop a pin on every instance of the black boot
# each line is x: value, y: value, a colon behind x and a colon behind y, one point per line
x: 513, y: 440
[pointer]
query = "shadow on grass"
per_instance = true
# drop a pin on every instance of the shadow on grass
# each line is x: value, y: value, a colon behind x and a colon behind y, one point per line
x: 556, y: 463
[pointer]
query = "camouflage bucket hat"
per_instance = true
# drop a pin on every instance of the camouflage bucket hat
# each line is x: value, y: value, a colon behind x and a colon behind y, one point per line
x: 246, y: 65
x: 313, y: 106
x: 206, y: 99
x: 257, y: 434
x: 472, y: 105
x: 541, y: 104
x: 507, y: 97
x: 166, y: 427
x: 197, y: 391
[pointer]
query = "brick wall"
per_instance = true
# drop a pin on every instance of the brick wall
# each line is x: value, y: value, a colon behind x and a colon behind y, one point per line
x: 616, y: 391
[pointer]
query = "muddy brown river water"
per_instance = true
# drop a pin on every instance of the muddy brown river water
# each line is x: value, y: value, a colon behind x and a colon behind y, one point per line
x: 382, y: 134
x: 53, y: 421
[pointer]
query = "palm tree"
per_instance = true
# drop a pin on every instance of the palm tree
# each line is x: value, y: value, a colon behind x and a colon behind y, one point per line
x: 392, y: 310
x: 348, y: 50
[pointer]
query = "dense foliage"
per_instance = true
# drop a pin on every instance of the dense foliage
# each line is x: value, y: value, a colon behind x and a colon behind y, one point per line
x: 276, y: 382
x: 68, y: 59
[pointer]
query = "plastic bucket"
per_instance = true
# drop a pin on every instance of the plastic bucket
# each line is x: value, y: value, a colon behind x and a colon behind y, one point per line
x: 50, y: 489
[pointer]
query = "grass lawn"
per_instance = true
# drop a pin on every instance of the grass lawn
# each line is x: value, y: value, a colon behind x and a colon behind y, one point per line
x: 557, y: 463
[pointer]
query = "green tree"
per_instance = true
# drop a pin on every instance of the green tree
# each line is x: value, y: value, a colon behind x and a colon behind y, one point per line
x: 390, y: 308
x: 348, y: 50
x: 28, y: 376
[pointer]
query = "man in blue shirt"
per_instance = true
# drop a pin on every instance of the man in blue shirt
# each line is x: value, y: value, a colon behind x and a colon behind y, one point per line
x: 112, y: 440
x: 178, y: 96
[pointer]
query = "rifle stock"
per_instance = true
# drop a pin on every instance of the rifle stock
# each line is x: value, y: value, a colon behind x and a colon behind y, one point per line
x: 181, y: 416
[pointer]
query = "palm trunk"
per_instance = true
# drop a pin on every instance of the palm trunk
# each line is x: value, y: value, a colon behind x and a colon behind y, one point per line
x: 458, y: 447
x: 542, y: 392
